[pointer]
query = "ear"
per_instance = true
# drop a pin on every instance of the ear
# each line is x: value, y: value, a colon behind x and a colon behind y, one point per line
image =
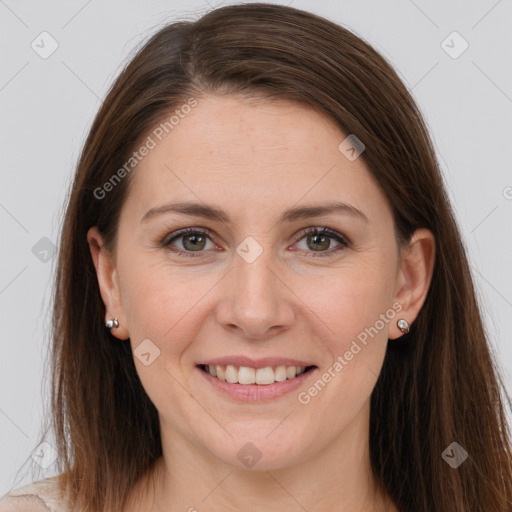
x: 414, y: 277
x: 108, y: 282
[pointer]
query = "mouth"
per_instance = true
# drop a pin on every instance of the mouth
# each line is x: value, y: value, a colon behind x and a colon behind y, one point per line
x: 250, y: 381
x: 246, y: 375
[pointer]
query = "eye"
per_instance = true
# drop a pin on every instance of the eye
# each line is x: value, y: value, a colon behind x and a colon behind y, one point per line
x: 320, y: 240
x: 192, y: 240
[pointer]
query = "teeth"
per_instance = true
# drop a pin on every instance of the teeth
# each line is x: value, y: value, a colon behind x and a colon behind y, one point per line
x: 247, y: 375
x: 291, y: 371
x: 262, y: 376
x: 265, y: 375
x: 231, y: 374
x: 280, y: 373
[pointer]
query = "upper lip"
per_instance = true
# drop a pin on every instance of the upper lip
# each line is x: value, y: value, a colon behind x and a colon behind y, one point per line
x: 255, y: 363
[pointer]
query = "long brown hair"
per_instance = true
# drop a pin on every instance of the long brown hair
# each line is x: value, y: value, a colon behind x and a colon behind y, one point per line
x: 439, y: 387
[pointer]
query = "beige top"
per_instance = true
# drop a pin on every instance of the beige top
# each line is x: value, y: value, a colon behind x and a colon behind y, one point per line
x: 40, y: 496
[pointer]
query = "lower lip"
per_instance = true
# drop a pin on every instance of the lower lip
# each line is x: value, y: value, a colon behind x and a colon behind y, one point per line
x: 257, y: 392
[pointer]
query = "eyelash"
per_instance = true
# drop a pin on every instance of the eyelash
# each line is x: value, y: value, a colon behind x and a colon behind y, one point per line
x: 344, y: 242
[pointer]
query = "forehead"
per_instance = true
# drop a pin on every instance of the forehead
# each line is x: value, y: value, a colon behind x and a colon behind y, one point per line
x: 259, y: 154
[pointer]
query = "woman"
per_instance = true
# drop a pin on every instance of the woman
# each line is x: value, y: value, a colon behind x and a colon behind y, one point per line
x: 205, y: 358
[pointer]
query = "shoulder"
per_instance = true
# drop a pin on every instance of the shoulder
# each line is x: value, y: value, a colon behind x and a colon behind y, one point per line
x: 40, y: 496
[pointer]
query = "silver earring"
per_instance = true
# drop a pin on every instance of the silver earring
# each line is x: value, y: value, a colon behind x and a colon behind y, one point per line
x: 111, y: 324
x: 403, y: 325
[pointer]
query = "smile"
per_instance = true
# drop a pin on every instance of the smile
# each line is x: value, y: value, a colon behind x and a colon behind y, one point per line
x: 246, y: 375
x: 247, y: 380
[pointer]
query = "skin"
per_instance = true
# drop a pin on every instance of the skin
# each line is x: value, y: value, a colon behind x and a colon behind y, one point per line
x: 256, y: 160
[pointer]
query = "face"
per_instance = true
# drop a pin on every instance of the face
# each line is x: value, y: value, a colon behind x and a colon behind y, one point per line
x: 254, y: 286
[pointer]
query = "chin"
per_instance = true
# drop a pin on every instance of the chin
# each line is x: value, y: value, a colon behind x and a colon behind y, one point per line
x: 260, y: 453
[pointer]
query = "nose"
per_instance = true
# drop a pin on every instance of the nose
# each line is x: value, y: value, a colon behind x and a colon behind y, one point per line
x: 256, y: 303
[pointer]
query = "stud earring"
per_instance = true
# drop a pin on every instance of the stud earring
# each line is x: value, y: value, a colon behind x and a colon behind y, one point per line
x: 403, y: 325
x: 111, y: 324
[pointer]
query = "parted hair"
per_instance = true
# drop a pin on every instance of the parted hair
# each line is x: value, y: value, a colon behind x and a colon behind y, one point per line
x: 441, y: 386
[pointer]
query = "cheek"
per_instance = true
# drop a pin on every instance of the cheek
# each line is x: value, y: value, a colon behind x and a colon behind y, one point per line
x: 162, y: 307
x: 163, y: 304
x: 352, y: 301
x: 151, y: 305
x: 357, y: 308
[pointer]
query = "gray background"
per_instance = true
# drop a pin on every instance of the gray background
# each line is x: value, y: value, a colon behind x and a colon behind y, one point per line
x: 47, y: 106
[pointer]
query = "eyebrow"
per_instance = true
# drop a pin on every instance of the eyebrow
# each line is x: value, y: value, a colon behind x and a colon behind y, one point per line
x: 293, y: 214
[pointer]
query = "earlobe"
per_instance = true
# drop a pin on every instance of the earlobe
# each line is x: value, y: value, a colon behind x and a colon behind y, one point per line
x: 414, y: 278
x: 107, y: 282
